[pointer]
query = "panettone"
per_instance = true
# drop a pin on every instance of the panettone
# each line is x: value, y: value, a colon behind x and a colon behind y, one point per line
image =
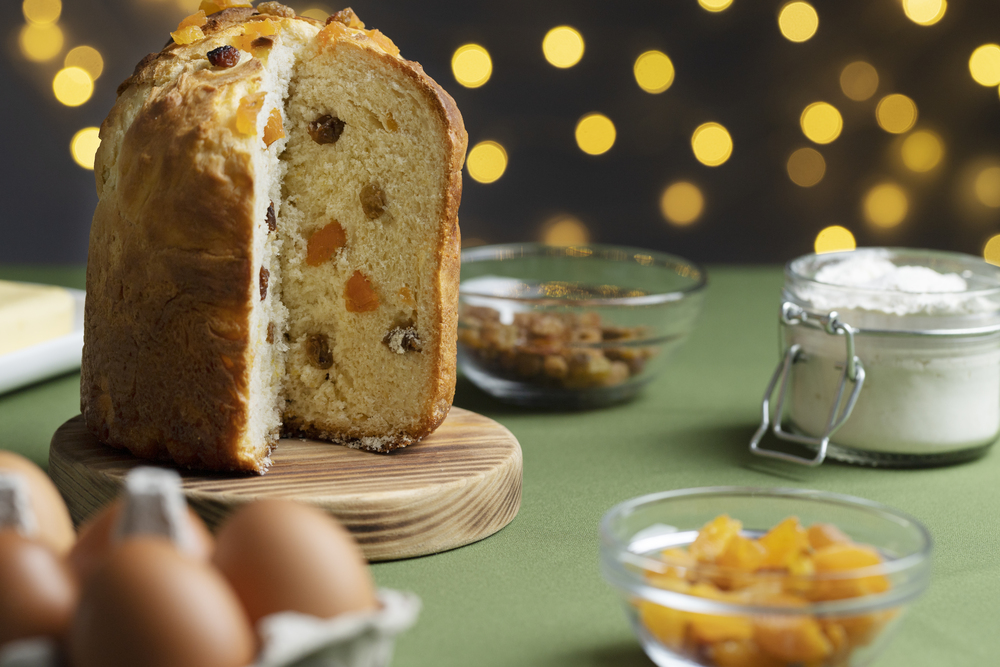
x: 276, y: 245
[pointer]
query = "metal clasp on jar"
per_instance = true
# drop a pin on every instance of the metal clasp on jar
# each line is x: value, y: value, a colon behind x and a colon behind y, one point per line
x: 854, y: 373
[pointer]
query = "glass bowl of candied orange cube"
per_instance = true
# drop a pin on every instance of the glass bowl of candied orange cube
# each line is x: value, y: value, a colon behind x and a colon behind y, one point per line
x: 749, y: 577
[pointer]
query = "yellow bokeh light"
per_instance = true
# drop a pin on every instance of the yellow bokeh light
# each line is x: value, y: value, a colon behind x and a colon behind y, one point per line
x: 896, y: 113
x: 984, y: 65
x: 471, y: 65
x: 72, y: 86
x: 41, y: 12
x: 40, y: 43
x: 715, y: 5
x: 988, y: 187
x: 712, y: 144
x: 991, y: 251
x: 834, y: 239
x: 859, y: 81
x: 487, y: 161
x: 317, y: 13
x: 564, y: 230
x: 682, y: 203
x: 86, y: 58
x: 821, y: 122
x: 806, y: 167
x: 922, y: 151
x: 595, y: 134
x: 886, y: 205
x: 563, y: 46
x: 798, y: 21
x: 654, y: 71
x: 925, y: 12
x: 84, y: 145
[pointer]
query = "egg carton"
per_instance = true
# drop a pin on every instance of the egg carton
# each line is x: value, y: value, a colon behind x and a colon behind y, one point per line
x: 290, y: 639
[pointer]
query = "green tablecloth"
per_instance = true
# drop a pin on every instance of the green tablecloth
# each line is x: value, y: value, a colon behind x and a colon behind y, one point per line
x: 533, y: 595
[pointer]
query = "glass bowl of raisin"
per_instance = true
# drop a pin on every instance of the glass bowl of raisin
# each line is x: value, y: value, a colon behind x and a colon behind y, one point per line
x: 726, y: 576
x: 572, y: 326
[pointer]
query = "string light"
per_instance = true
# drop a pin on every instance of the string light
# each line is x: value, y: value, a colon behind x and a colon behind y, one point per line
x: 922, y: 151
x: 715, y: 5
x: 859, y: 81
x: 834, y: 239
x: 896, y: 113
x: 806, y: 167
x: 487, y: 161
x: 564, y: 230
x: 984, y: 65
x: 595, y: 134
x: 72, y: 86
x: 991, y: 251
x: 712, y: 144
x: 41, y: 12
x: 798, y: 21
x: 654, y: 71
x: 563, y: 46
x: 925, y: 12
x: 821, y: 122
x: 885, y: 205
x: 987, y: 187
x: 83, y: 146
x: 86, y: 58
x: 40, y: 43
x: 471, y: 65
x: 682, y: 203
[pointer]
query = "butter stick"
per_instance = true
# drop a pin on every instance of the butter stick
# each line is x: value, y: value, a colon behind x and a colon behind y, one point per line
x: 31, y: 314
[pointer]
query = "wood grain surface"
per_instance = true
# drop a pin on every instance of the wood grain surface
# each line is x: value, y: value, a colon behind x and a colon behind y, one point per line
x: 460, y: 484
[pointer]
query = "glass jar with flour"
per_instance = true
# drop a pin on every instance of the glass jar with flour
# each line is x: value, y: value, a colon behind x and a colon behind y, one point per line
x: 891, y: 357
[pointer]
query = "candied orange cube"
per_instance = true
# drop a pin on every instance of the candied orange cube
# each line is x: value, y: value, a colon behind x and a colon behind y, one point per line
x: 198, y: 18
x: 274, y: 129
x: 324, y: 243
x: 792, y: 638
x: 251, y: 31
x: 669, y: 626
x: 333, y: 31
x: 863, y: 628
x: 384, y: 42
x: 714, y: 537
x: 742, y: 554
x: 213, y: 6
x: 784, y: 543
x: 359, y: 295
x: 187, y: 35
x: 842, y: 558
x: 824, y: 534
x: 741, y: 653
x: 247, y: 112
x: 710, y: 628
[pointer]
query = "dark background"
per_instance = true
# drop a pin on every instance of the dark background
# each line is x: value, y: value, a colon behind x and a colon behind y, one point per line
x: 733, y: 67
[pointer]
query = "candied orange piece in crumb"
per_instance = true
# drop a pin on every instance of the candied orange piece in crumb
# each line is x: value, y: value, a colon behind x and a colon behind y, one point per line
x: 360, y: 296
x: 741, y: 653
x: 824, y: 534
x: 247, y: 112
x: 188, y: 35
x: 198, y: 18
x: 714, y: 537
x: 251, y: 31
x: 324, y: 243
x: 333, y: 31
x: 384, y: 42
x: 784, y: 544
x: 212, y: 6
x: 274, y: 129
x: 669, y: 626
x: 792, y: 638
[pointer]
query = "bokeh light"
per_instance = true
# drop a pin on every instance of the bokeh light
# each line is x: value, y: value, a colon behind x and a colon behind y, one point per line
x: 984, y: 65
x: 682, y: 203
x: 563, y: 46
x: 885, y: 205
x: 821, y: 122
x: 654, y: 72
x: 991, y: 251
x: 798, y: 21
x: 83, y: 146
x: 487, y: 161
x: 72, y: 86
x: 922, y: 151
x: 806, y: 167
x: 715, y: 5
x: 595, y: 134
x: 834, y: 239
x: 86, y: 58
x: 925, y: 12
x: 859, y: 81
x: 565, y: 230
x: 471, y: 65
x: 318, y: 13
x: 987, y: 187
x: 896, y: 113
x: 40, y: 43
x: 41, y: 12
x: 712, y: 144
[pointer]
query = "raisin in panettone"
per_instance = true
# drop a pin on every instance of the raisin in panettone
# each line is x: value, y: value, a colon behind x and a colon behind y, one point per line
x: 276, y: 245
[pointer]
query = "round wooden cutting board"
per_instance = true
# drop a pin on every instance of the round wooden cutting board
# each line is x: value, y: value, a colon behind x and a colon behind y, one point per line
x: 460, y: 484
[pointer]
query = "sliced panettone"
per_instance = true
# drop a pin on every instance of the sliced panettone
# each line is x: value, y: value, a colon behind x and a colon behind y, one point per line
x: 276, y: 244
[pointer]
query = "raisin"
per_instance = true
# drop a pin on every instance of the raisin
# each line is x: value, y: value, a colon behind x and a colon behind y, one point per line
x: 272, y: 222
x: 401, y: 340
x: 224, y: 56
x: 372, y: 200
x: 326, y: 129
x: 318, y: 351
x: 324, y: 243
x: 276, y: 9
x: 265, y: 276
x: 347, y: 17
x: 270, y: 332
x: 262, y: 43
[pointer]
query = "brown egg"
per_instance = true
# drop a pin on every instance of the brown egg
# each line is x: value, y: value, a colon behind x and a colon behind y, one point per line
x: 95, y: 543
x: 149, y: 605
x: 54, y: 525
x: 282, y: 556
x: 37, y: 591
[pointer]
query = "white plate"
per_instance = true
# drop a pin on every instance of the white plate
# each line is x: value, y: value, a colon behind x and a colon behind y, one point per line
x: 45, y: 360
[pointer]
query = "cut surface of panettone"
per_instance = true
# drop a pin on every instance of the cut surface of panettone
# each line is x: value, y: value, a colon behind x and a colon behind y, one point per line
x: 276, y: 246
